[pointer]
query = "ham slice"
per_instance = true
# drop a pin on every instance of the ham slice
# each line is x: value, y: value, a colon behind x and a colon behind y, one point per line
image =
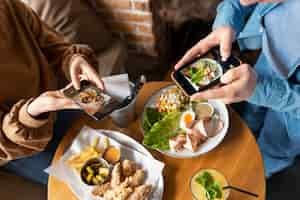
x: 176, y: 143
x: 209, y: 127
x: 193, y: 140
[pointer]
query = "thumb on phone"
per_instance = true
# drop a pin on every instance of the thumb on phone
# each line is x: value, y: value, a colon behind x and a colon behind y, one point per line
x: 225, y: 47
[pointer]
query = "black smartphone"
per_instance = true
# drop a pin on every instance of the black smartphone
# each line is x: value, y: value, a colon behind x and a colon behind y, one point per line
x: 92, y: 100
x: 203, y: 72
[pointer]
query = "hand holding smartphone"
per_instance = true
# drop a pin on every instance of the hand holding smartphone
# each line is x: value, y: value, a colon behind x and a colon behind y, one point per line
x: 203, y: 72
x: 91, y: 99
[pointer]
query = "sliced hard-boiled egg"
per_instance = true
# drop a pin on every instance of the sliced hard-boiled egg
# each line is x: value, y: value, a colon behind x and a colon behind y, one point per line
x: 186, y: 120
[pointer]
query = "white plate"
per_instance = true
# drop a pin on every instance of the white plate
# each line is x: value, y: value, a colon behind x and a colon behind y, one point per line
x: 211, y: 143
x: 131, y: 143
x: 131, y: 150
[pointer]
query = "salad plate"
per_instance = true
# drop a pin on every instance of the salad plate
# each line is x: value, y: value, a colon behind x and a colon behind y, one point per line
x: 180, y: 128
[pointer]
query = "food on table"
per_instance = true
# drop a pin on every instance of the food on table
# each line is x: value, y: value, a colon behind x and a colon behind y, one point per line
x: 204, y: 110
x: 151, y: 116
x: 101, y: 189
x: 194, y: 140
x: 112, y: 154
x: 116, y: 175
x: 208, y: 184
x: 124, y: 186
x: 209, y: 127
x: 177, y: 143
x: 128, y: 167
x: 77, y: 161
x: 172, y: 100
x: 160, y: 133
x: 95, y: 172
x: 187, y: 120
x: 137, y: 178
x: 120, y: 192
x: 106, y: 143
x: 180, y: 129
x: 100, y: 166
x: 203, y: 72
x: 141, y: 192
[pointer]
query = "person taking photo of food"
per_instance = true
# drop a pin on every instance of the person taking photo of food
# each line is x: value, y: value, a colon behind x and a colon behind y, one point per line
x: 272, y: 86
x: 31, y: 57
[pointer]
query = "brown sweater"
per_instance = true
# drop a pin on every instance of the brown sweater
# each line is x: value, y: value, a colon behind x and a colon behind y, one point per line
x: 31, y: 54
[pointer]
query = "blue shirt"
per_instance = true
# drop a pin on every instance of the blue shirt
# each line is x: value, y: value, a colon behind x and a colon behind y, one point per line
x: 274, y: 28
x: 278, y: 37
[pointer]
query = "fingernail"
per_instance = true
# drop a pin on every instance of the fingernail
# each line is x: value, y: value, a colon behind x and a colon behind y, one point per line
x: 223, y: 80
x: 224, y: 58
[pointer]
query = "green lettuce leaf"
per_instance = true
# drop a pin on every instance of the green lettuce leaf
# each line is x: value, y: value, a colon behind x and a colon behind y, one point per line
x: 151, y: 116
x: 158, y: 136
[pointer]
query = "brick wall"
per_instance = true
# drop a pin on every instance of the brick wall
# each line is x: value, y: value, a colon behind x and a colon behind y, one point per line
x: 132, y: 20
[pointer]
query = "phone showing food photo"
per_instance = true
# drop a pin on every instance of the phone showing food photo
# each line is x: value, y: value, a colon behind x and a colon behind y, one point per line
x: 203, y: 72
x: 89, y: 97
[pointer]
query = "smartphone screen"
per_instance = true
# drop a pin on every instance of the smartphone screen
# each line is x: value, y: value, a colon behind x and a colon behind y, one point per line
x: 203, y: 72
x: 90, y: 98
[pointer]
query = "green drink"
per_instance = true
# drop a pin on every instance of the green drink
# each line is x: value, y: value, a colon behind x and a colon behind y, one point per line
x: 208, y: 184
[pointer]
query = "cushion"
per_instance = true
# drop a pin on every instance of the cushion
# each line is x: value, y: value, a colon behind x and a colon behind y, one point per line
x: 75, y: 19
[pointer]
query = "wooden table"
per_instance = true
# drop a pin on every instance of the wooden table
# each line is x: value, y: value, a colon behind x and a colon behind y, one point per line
x: 237, y: 157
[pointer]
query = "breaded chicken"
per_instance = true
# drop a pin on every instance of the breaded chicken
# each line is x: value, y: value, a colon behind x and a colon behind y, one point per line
x: 101, y: 189
x: 141, y: 193
x: 116, y: 175
x: 137, y: 178
x: 128, y: 168
x: 120, y: 192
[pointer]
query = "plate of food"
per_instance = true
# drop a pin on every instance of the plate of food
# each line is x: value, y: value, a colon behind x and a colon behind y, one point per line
x: 181, y: 128
x: 108, y: 165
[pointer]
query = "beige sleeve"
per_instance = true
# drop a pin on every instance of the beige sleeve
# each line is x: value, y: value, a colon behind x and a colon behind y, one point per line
x: 57, y: 50
x: 22, y: 135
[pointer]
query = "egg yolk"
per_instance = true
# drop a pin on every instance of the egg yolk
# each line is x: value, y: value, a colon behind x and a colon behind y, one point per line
x: 188, y: 118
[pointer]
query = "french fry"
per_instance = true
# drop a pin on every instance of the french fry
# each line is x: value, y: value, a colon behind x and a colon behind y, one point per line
x: 105, y: 143
x: 92, y: 151
x: 96, y: 142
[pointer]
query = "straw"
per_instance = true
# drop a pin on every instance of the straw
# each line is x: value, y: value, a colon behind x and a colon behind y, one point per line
x: 240, y: 190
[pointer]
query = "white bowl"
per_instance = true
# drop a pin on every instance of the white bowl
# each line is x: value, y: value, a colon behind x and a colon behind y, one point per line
x: 210, y: 144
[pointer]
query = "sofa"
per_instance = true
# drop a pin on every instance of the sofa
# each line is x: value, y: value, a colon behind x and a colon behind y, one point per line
x: 78, y: 23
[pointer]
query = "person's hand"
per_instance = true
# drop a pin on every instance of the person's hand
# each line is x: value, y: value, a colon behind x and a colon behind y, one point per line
x: 222, y: 36
x: 81, y: 69
x: 239, y: 85
x: 50, y: 101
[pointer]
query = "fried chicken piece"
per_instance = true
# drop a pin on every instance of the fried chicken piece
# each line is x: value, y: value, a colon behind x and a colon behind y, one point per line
x: 120, y: 192
x: 116, y: 175
x: 136, y: 179
x: 128, y: 168
x: 141, y: 193
x: 101, y: 189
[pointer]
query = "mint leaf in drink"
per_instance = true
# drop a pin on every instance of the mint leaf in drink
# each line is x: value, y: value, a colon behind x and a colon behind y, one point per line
x: 213, y: 189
